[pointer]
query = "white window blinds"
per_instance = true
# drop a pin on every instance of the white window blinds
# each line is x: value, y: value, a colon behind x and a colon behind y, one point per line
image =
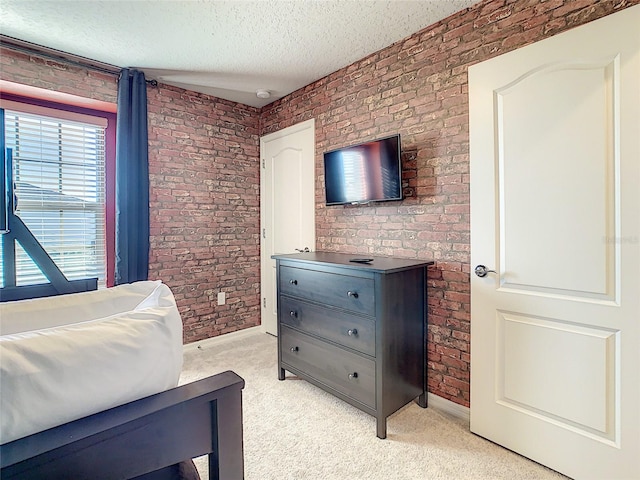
x: 59, y: 175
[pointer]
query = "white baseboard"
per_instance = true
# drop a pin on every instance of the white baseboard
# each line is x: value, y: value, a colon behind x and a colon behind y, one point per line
x: 220, y: 339
x: 454, y: 409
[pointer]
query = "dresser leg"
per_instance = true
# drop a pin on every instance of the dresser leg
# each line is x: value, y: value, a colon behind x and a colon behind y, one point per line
x: 422, y: 400
x: 281, y: 374
x: 381, y: 427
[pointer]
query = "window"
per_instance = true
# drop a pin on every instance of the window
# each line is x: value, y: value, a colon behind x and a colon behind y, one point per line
x: 59, y: 175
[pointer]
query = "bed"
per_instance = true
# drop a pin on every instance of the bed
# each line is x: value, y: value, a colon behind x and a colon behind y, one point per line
x: 88, y: 390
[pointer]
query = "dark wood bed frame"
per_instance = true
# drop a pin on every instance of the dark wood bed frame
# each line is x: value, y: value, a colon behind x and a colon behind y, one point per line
x: 143, y: 439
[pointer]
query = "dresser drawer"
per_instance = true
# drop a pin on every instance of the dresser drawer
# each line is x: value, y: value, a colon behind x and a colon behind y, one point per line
x: 347, y: 329
x: 346, y: 372
x: 351, y: 293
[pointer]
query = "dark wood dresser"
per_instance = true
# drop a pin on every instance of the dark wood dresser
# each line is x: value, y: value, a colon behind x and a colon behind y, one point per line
x: 356, y: 330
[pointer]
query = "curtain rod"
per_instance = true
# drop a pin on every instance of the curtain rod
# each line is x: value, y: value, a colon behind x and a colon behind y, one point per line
x: 58, y: 55
x: 53, y: 54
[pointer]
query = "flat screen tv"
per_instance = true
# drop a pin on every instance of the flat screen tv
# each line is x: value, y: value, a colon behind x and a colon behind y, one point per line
x: 363, y: 173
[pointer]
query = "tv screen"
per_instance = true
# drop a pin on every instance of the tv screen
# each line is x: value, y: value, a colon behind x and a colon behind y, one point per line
x: 368, y: 172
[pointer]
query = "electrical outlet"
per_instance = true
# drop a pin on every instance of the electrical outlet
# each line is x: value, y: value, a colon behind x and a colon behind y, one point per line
x: 222, y: 298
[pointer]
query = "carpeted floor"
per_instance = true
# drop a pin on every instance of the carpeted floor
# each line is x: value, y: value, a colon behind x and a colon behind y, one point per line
x: 293, y: 430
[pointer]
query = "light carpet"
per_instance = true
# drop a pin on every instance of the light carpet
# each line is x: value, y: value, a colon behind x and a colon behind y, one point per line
x: 294, y: 430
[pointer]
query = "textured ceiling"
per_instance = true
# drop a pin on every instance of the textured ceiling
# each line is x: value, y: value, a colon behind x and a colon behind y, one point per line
x: 229, y: 49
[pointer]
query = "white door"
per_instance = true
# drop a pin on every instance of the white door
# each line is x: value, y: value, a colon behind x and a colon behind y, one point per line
x: 555, y: 210
x: 287, y: 205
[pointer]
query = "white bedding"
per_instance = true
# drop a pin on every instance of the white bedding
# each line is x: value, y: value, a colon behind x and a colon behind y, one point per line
x: 65, y: 357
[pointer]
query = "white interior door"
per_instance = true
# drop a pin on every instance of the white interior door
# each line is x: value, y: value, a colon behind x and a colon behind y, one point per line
x: 287, y: 204
x: 555, y: 210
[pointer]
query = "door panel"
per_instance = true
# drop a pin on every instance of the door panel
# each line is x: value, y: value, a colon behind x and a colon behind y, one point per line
x: 287, y: 204
x: 582, y: 398
x: 287, y: 207
x: 555, y: 210
x: 541, y: 155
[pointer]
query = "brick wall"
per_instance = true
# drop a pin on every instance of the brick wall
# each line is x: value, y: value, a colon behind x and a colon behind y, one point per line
x: 204, y: 192
x: 204, y: 208
x: 418, y: 87
x: 57, y: 76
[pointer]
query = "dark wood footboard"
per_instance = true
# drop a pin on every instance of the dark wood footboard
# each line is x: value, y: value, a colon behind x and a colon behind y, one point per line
x: 142, y: 439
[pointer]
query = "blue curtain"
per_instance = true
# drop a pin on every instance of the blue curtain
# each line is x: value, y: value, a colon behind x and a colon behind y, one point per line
x: 132, y: 179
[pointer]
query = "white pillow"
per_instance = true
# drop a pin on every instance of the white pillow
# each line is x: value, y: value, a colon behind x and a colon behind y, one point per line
x: 52, y: 376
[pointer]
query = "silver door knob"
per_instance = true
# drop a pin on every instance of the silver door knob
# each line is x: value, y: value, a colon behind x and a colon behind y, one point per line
x: 482, y: 271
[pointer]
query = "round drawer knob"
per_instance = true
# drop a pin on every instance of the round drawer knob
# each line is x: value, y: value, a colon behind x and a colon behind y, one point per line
x: 293, y: 314
x: 293, y: 282
x: 352, y: 294
x: 294, y: 349
x: 352, y: 332
x: 353, y: 375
